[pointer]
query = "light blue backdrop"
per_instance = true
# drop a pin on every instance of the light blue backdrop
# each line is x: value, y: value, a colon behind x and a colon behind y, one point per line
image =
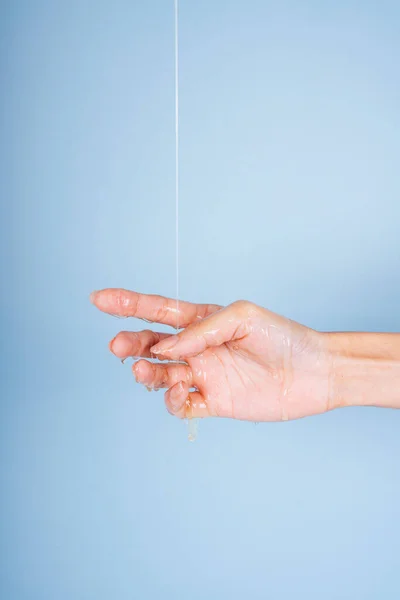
x: 290, y: 145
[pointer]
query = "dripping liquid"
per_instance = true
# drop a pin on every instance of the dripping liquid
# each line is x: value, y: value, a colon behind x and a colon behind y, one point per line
x: 192, y: 423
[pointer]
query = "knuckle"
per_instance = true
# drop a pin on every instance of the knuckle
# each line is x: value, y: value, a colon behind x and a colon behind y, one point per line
x: 161, y: 313
x: 243, y: 307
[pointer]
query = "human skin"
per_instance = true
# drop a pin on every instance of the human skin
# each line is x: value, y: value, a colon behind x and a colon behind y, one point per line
x: 245, y: 362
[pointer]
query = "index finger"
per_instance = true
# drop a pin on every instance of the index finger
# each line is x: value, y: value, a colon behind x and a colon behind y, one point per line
x: 124, y: 303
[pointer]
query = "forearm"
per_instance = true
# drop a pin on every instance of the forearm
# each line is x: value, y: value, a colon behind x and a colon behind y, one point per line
x: 365, y: 369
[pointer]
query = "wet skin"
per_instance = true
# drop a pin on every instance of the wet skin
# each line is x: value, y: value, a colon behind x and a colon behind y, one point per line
x: 245, y: 362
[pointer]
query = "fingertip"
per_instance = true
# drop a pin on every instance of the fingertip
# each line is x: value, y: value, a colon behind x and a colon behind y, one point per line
x: 121, y: 345
x: 136, y: 373
x: 140, y: 370
x: 180, y: 389
x: 165, y: 346
x: 111, y: 344
x: 175, y: 399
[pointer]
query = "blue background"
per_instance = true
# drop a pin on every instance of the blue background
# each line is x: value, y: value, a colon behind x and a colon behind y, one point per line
x: 290, y: 123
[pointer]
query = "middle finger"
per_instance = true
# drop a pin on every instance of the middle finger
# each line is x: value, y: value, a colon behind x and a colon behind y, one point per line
x: 135, y: 343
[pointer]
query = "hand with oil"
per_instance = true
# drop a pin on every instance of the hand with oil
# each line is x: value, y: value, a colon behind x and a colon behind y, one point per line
x: 245, y: 362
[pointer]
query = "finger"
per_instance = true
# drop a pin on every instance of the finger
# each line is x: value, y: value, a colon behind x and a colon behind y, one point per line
x: 124, y: 303
x: 228, y: 324
x: 156, y: 376
x: 184, y: 404
x: 130, y: 343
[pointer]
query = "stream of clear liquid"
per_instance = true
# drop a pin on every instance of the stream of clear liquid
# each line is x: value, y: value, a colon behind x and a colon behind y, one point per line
x: 192, y: 423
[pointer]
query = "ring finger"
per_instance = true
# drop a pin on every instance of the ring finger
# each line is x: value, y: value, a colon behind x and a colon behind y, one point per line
x: 156, y: 376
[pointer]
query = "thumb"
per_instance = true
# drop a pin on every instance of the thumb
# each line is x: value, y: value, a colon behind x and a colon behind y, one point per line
x: 228, y: 324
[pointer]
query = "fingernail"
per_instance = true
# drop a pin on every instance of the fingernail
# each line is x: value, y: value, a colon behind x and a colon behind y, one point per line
x: 92, y: 297
x: 176, y: 396
x: 166, y: 345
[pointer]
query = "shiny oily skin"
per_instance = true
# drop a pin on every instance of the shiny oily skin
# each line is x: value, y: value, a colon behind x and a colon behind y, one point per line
x: 273, y: 369
x: 243, y: 361
x: 173, y: 310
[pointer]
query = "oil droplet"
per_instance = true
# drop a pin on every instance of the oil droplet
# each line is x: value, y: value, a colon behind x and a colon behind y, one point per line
x: 150, y: 388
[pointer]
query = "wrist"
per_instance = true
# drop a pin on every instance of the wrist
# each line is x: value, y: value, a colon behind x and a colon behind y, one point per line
x: 365, y: 369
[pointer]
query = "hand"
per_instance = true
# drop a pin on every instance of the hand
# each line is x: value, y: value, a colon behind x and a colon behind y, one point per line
x: 242, y: 361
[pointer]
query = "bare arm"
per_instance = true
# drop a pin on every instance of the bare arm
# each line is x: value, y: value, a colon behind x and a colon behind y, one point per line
x: 366, y: 369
